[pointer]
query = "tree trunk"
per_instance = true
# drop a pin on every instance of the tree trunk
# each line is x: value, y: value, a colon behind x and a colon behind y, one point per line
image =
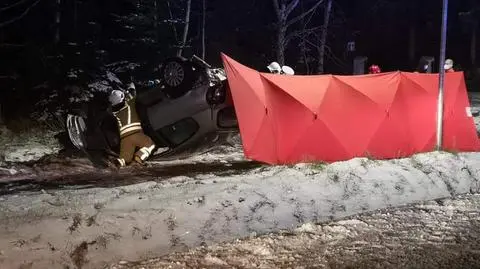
x: 304, y: 43
x: 473, y: 46
x: 185, y: 29
x: 283, y: 10
x: 155, y: 20
x: 281, y: 34
x: 204, y: 11
x: 56, y: 40
x: 323, y: 39
x: 174, y: 29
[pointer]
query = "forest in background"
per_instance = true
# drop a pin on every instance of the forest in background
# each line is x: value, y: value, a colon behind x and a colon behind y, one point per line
x: 49, y: 46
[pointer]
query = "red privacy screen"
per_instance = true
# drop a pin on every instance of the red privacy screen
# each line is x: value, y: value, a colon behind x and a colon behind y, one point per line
x: 291, y: 119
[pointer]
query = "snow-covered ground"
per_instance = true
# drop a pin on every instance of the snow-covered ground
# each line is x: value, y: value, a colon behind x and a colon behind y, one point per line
x: 95, y: 226
x: 26, y: 146
x: 434, y: 234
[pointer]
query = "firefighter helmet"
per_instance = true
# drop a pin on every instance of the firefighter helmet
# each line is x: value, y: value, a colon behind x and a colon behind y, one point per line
x: 116, y: 97
x: 287, y: 70
x: 274, y: 67
x: 448, y: 64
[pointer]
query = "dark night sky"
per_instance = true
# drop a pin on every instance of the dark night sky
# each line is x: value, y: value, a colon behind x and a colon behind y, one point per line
x: 381, y: 34
x: 94, y: 33
x: 245, y: 29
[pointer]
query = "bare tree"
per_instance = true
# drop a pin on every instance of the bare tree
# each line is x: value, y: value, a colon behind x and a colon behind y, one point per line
x: 303, y: 44
x: 172, y: 22
x: 323, y: 38
x: 58, y: 13
x: 283, y: 10
x: 23, y: 14
x: 155, y: 20
x: 204, y: 11
x: 313, y: 39
x: 13, y: 5
x: 185, y: 28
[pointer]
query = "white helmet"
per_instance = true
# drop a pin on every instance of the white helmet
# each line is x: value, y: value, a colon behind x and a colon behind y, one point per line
x: 274, y: 67
x: 116, y: 97
x: 287, y: 70
x: 131, y: 86
x: 448, y: 64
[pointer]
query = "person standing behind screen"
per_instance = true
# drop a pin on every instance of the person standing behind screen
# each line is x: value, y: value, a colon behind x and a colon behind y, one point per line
x: 275, y: 68
x: 374, y: 69
x: 449, y: 66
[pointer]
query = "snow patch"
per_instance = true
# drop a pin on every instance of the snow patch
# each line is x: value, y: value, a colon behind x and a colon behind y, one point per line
x: 308, y: 228
x: 32, y: 153
x: 25, y: 147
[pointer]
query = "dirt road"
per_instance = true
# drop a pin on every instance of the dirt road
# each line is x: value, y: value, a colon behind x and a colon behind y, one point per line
x: 437, y: 234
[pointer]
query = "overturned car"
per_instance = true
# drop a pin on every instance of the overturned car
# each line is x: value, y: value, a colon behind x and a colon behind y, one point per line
x: 187, y: 109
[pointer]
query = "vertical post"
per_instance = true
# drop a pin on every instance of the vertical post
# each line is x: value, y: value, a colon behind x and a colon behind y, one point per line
x: 441, y: 81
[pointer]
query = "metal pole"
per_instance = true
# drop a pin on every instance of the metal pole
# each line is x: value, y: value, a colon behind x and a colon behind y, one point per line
x: 441, y: 82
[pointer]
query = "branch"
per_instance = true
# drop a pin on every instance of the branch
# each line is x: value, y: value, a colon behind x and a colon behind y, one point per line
x: 308, y: 20
x: 311, y: 43
x: 277, y: 8
x: 335, y: 59
x: 299, y: 17
x: 291, y: 6
x: 171, y: 18
x: 19, y: 17
x: 11, y: 45
x: 329, y: 54
x: 302, y: 33
x: 12, y: 77
x: 13, y: 5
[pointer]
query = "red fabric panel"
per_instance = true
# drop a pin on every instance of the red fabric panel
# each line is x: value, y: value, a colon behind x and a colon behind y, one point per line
x: 291, y: 119
x: 250, y: 105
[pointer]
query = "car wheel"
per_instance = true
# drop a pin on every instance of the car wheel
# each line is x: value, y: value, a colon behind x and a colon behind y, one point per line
x: 76, y: 128
x: 177, y: 76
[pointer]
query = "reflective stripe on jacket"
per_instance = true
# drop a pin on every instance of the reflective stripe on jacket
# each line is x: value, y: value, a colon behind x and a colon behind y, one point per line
x: 128, y: 120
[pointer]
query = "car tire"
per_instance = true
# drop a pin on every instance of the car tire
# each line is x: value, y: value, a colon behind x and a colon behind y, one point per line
x: 76, y: 127
x: 177, y: 75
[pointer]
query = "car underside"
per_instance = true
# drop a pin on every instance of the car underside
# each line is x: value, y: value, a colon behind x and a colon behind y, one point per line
x: 187, y: 110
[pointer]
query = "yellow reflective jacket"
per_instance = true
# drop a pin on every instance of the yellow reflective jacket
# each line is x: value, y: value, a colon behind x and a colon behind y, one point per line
x: 128, y: 120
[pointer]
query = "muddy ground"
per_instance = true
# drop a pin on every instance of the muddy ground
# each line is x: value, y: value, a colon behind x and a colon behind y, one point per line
x: 444, y: 233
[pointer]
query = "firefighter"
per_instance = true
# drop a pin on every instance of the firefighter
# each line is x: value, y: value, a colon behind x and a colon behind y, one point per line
x: 132, y: 136
x: 287, y: 70
x: 449, y: 66
x: 274, y: 68
x: 374, y: 69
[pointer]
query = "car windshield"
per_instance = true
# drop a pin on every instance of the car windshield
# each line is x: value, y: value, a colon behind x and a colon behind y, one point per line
x: 180, y: 131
